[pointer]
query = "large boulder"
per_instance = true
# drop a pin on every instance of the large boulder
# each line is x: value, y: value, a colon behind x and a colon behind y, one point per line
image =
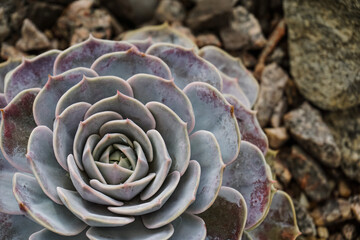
x: 324, y: 40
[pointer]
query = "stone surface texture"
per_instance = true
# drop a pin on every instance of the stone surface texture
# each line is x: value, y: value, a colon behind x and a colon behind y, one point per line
x: 324, y: 38
x: 244, y: 31
x: 310, y: 131
x: 308, y: 174
x: 345, y: 126
x: 32, y: 38
x: 273, y: 81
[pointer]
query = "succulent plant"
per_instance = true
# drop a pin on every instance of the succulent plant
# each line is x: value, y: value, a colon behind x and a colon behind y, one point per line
x: 145, y: 138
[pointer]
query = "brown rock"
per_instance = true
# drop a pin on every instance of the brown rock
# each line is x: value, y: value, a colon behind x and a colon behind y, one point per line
x: 334, y: 211
x: 273, y: 81
x: 278, y: 113
x: 8, y: 51
x: 277, y: 136
x: 207, y: 39
x: 170, y: 10
x: 282, y: 172
x: 323, y: 232
x: 310, y: 131
x: 344, y: 189
x: 133, y: 10
x: 32, y: 38
x: 336, y: 236
x: 80, y: 19
x: 324, y: 51
x: 355, y: 206
x: 345, y: 126
x: 44, y: 14
x: 244, y: 31
x: 308, y: 175
x: 209, y: 14
x: 304, y: 220
x: 349, y: 231
x: 4, y: 27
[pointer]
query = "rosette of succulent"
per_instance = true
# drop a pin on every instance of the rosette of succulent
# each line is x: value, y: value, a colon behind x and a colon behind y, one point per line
x: 144, y: 138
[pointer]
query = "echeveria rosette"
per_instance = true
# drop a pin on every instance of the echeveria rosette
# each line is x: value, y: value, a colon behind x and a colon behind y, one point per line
x: 131, y: 139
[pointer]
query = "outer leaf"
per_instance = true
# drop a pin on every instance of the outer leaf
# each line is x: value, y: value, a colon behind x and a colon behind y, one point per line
x: 81, y: 183
x: 189, y: 227
x: 139, y: 207
x: 234, y: 68
x: 129, y: 63
x: 45, y: 234
x: 16, y: 126
x: 127, y: 107
x: 186, y: 66
x: 249, y: 175
x: 179, y: 201
x: 226, y: 218
x: 6, y: 67
x: 149, y: 88
x: 48, y: 97
x: 170, y: 125
x: 85, y: 53
x: 46, y: 169
x: 134, y: 231
x: 206, y: 151
x: 232, y: 87
x: 249, y: 126
x: 214, y: 114
x: 280, y: 223
x: 31, y: 73
x: 160, y: 166
x: 8, y: 203
x: 142, y: 45
x: 44, y: 211
x: 65, y: 127
x: 91, y: 90
x: 161, y: 33
x: 92, y: 214
x: 14, y: 227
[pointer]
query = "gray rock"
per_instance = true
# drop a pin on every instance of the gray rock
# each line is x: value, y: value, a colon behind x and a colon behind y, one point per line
x: 170, y: 10
x: 311, y: 132
x: 44, y: 15
x: 273, y: 81
x: 244, y: 31
x: 32, y: 38
x: 82, y: 18
x: 209, y: 14
x: 4, y: 27
x: 304, y: 220
x: 334, y: 211
x: 324, y: 41
x: 309, y: 175
x: 136, y: 11
x: 345, y: 126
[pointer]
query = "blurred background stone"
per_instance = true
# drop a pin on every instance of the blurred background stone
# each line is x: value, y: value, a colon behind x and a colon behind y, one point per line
x: 324, y: 41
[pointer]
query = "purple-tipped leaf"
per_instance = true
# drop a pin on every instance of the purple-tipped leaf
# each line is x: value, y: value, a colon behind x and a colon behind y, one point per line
x: 47, y: 99
x: 160, y: 33
x: 45, y: 168
x: 179, y: 58
x: 148, y: 88
x: 31, y: 73
x: 16, y: 126
x: 249, y: 175
x: 226, y: 218
x: 44, y: 211
x: 214, y: 114
x: 280, y: 222
x: 85, y: 53
x: 129, y: 63
x: 179, y: 201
